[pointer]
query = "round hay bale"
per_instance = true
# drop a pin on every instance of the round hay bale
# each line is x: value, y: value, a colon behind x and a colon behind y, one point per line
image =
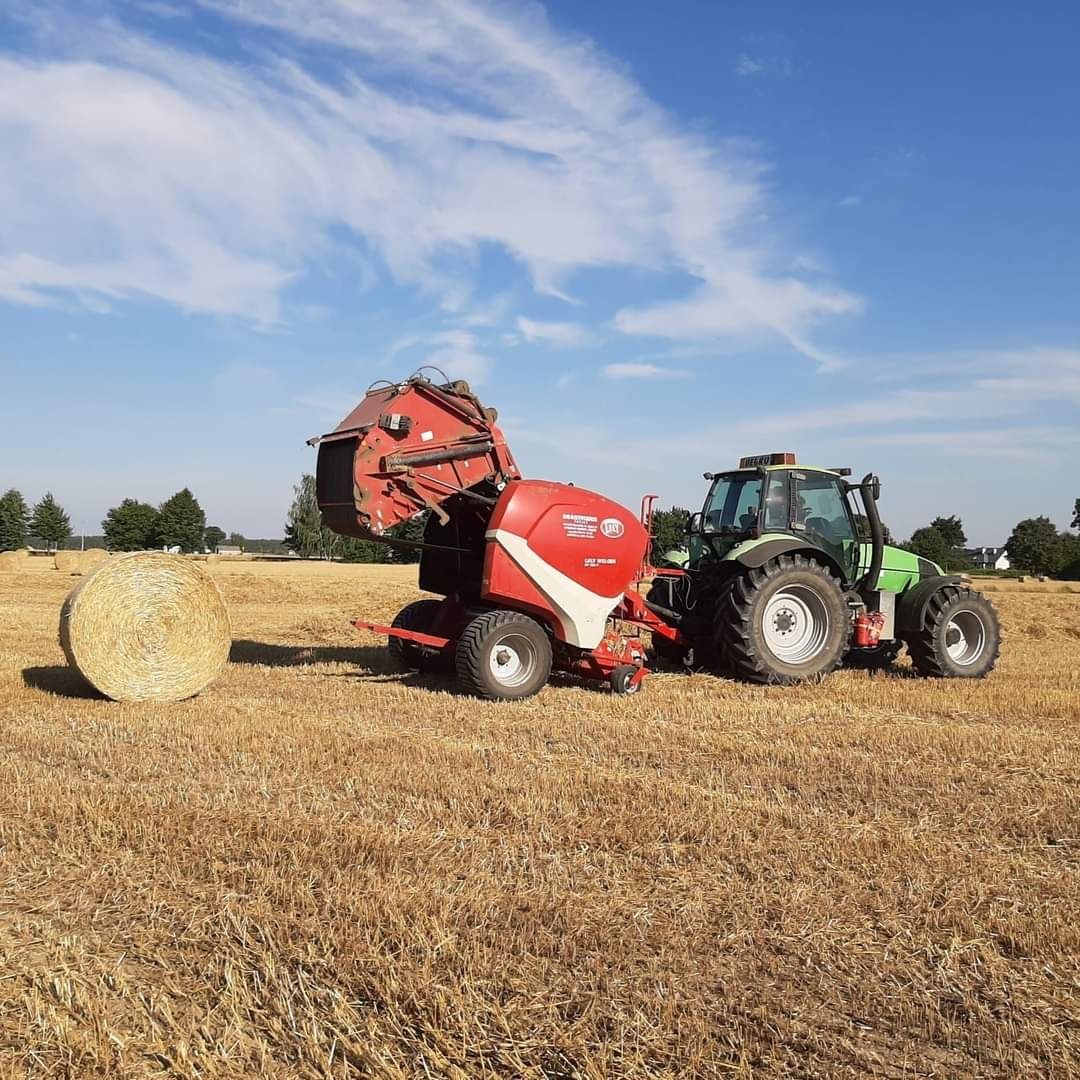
x: 146, y: 627
x: 68, y: 562
x: 92, y: 557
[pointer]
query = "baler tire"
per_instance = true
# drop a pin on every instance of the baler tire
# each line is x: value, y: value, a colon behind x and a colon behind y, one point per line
x: 935, y: 656
x: 526, y: 644
x: 740, y: 636
x: 420, y: 617
x: 622, y: 680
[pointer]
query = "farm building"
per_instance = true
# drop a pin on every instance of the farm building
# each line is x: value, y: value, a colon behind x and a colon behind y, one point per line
x: 989, y: 558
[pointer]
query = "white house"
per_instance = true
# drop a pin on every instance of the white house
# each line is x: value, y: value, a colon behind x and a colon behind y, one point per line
x: 989, y: 558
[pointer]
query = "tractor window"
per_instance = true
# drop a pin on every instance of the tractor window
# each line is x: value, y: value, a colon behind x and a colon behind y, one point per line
x: 733, y: 503
x: 824, y: 514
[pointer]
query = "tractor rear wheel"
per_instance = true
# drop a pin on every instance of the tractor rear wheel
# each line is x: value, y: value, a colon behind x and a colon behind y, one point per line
x: 503, y: 655
x: 418, y: 616
x: 782, y: 623
x: 960, y: 636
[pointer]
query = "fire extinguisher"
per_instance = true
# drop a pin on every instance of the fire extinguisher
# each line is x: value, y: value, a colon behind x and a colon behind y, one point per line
x: 868, y: 627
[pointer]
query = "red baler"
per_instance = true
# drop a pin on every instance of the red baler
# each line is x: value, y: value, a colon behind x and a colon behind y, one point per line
x: 535, y: 575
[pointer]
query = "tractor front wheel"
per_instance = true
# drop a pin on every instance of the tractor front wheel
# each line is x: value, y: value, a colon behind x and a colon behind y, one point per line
x: 960, y: 636
x: 782, y: 623
x: 504, y: 655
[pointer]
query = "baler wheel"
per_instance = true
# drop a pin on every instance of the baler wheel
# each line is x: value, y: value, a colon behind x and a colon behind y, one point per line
x: 622, y: 679
x: 418, y: 616
x: 782, y: 623
x: 960, y: 636
x: 503, y: 655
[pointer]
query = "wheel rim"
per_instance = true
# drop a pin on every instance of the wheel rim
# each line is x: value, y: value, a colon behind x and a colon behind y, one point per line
x: 965, y: 637
x: 796, y: 624
x: 512, y: 660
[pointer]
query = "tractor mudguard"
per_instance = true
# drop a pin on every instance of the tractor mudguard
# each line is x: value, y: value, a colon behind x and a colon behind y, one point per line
x: 911, y: 605
x: 760, y: 554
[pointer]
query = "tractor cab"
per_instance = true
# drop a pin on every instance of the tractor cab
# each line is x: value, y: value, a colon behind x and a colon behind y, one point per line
x: 769, y: 498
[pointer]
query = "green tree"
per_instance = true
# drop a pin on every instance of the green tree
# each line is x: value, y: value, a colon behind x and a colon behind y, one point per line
x: 131, y: 526
x: 668, y: 531
x: 930, y: 544
x: 862, y: 526
x: 14, y: 521
x: 238, y: 540
x: 354, y: 550
x: 411, y: 530
x: 952, y: 529
x: 304, y: 530
x: 181, y: 522
x: 50, y: 522
x: 213, y: 537
x: 1070, y: 557
x: 1035, y: 547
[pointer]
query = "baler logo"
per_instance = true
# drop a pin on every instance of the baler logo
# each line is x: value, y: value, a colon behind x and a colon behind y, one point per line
x: 612, y: 528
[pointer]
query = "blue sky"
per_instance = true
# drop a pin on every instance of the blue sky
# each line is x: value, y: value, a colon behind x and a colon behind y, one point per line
x: 655, y: 236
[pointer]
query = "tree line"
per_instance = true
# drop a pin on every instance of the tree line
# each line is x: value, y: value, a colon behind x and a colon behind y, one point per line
x: 306, y: 534
x: 1035, y: 545
x: 132, y: 526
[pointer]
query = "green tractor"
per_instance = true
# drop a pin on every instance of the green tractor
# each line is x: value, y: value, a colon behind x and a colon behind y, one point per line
x: 788, y: 576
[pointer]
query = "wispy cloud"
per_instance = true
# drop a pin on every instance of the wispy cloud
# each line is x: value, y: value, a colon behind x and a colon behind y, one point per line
x: 777, y: 66
x: 642, y: 371
x: 455, y: 353
x: 561, y: 335
x: 421, y: 129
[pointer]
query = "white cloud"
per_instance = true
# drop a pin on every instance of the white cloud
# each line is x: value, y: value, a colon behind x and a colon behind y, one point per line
x: 456, y: 353
x: 747, y: 65
x: 135, y: 169
x: 851, y: 201
x: 642, y: 371
x: 562, y: 335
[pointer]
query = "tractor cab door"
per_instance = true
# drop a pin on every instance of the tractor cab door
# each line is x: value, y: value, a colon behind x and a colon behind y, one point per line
x: 821, y: 512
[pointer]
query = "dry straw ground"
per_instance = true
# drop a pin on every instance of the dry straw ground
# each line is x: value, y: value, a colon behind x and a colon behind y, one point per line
x: 323, y: 868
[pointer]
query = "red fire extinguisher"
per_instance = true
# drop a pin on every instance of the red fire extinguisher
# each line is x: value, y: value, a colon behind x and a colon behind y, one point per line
x: 868, y: 627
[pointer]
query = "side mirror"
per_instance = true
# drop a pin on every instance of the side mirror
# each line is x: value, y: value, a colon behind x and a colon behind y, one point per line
x: 693, y: 526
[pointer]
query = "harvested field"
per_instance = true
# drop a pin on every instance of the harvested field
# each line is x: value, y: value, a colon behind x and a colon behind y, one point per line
x: 321, y: 867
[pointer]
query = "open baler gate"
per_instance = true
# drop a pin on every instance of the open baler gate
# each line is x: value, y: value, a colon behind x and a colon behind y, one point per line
x: 409, y: 447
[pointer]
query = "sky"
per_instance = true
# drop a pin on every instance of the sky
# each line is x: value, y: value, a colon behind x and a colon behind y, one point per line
x: 655, y: 237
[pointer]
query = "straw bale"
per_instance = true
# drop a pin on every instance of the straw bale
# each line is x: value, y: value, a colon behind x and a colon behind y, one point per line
x: 146, y: 627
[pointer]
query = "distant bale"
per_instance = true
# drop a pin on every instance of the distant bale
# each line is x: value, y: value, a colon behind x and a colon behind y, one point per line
x: 79, y: 562
x: 146, y: 627
x: 68, y: 562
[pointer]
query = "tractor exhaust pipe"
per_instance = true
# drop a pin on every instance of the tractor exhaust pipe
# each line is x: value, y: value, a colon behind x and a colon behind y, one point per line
x: 870, y: 489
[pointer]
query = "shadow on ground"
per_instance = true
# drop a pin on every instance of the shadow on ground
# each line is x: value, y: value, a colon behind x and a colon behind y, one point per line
x: 62, y: 681
x: 374, y: 659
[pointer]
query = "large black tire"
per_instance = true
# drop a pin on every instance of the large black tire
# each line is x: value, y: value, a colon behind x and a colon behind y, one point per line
x: 503, y: 655
x: 782, y: 623
x: 420, y: 617
x: 960, y: 637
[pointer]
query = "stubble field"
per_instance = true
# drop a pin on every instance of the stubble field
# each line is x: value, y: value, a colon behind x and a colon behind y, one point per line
x: 321, y: 867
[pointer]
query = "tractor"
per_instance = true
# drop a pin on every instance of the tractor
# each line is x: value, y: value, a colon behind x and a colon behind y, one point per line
x: 788, y: 576
x: 535, y: 576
